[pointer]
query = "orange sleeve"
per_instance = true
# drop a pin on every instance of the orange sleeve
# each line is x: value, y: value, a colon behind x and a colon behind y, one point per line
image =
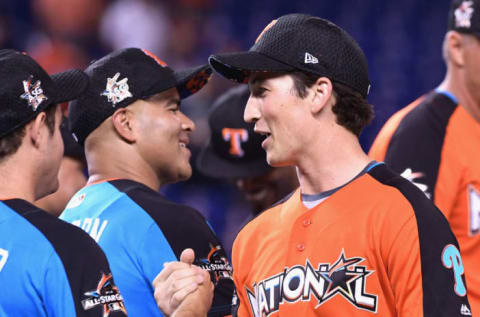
x: 405, y: 271
x: 242, y: 305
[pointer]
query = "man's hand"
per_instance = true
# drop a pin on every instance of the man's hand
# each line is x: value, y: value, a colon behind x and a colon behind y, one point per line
x: 179, y: 279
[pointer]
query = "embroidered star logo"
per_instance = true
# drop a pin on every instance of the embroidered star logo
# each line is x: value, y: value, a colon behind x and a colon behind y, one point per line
x: 33, y: 93
x: 463, y: 14
x: 340, y: 278
x: 116, y: 91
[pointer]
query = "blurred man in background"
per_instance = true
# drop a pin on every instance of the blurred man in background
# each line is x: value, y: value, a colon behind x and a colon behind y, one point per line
x: 71, y: 175
x: 434, y: 142
x: 234, y: 152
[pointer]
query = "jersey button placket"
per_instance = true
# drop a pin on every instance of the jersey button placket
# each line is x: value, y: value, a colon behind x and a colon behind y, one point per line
x: 307, y: 222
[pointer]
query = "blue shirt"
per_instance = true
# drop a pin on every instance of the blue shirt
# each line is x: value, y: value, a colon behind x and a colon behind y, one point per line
x: 50, y: 268
x: 139, y: 230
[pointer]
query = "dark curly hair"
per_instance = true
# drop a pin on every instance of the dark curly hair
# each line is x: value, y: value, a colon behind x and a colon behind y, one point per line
x: 352, y: 110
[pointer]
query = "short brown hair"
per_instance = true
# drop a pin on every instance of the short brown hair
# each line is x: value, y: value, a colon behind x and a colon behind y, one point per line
x: 352, y: 110
x: 10, y: 143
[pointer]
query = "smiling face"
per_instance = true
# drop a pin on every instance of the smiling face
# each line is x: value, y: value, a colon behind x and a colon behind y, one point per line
x: 163, y: 135
x: 279, y: 114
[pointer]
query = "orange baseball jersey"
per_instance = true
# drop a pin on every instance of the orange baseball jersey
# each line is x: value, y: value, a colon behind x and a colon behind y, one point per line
x: 376, y: 246
x: 436, y: 145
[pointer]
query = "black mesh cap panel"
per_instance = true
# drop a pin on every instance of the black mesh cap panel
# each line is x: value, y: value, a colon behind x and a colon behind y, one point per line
x: 26, y: 89
x: 122, y: 77
x: 300, y: 42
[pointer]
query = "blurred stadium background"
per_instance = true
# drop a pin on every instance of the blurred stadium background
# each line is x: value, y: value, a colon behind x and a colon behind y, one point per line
x: 402, y: 41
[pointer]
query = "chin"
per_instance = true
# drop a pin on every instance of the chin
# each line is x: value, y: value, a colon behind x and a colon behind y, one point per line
x: 185, y: 173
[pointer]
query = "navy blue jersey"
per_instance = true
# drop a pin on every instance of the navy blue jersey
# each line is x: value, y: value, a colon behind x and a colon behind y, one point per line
x: 51, y: 268
x: 139, y: 230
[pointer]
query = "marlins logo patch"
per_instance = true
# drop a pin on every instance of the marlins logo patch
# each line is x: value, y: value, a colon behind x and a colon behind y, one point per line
x: 106, y: 295
x: 463, y: 15
x: 345, y: 278
x: 217, y: 264
x: 33, y: 93
x: 116, y: 91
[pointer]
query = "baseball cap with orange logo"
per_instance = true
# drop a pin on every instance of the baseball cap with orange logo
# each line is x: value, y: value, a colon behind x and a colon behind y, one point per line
x: 121, y: 78
x: 233, y: 150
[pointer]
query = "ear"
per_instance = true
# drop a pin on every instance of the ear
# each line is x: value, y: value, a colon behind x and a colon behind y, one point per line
x: 123, y: 122
x: 455, y: 48
x: 34, y: 129
x: 322, y: 92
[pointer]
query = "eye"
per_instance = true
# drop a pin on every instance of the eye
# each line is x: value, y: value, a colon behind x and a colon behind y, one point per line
x: 259, y: 92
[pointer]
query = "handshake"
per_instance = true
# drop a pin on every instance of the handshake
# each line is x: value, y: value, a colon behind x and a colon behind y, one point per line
x: 183, y: 289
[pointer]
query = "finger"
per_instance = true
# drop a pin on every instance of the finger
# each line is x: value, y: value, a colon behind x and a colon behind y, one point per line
x: 187, y: 256
x: 169, y: 269
x: 179, y: 296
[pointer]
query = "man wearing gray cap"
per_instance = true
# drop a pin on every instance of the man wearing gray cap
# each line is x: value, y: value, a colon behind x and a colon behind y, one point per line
x: 434, y: 142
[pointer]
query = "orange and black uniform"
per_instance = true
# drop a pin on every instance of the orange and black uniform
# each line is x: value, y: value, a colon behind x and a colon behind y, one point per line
x: 375, y: 246
x: 435, y: 143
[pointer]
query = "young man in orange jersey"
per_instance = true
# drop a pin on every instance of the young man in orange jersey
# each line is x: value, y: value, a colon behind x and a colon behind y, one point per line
x: 435, y: 141
x: 355, y: 238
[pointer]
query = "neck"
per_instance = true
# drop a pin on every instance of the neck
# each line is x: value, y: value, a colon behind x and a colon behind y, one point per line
x: 328, y: 165
x: 120, y: 164
x: 454, y: 82
x: 16, y: 182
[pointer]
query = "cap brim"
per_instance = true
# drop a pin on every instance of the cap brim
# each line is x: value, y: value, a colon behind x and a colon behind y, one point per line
x: 191, y: 80
x: 70, y: 85
x: 238, y: 66
x: 212, y: 165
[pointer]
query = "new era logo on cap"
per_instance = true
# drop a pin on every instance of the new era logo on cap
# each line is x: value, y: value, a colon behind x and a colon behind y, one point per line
x: 310, y: 59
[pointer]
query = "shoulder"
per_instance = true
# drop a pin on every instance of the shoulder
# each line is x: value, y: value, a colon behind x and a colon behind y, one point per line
x: 430, y: 117
x: 67, y: 240
x: 404, y: 193
x: 154, y: 203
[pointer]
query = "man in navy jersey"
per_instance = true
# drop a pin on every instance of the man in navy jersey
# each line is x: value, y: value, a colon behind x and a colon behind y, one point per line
x: 47, y: 267
x: 135, y: 140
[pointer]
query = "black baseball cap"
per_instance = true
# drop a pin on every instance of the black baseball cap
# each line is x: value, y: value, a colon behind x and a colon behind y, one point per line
x: 121, y: 78
x: 300, y: 42
x: 234, y: 150
x: 464, y: 16
x: 26, y: 89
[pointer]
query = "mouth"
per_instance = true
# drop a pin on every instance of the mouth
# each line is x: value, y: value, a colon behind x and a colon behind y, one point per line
x: 266, y: 134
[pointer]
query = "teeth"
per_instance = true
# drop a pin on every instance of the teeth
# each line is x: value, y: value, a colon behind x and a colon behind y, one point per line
x: 182, y: 144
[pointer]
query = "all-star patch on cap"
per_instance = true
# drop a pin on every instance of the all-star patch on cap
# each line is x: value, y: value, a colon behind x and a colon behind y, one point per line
x: 121, y: 78
x: 299, y: 42
x: 26, y: 89
x: 234, y: 150
x: 464, y: 16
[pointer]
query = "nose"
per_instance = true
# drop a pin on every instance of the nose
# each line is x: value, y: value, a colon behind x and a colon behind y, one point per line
x: 187, y: 123
x: 252, y: 112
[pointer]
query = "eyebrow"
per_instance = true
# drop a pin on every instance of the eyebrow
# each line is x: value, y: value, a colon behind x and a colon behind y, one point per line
x: 174, y: 101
